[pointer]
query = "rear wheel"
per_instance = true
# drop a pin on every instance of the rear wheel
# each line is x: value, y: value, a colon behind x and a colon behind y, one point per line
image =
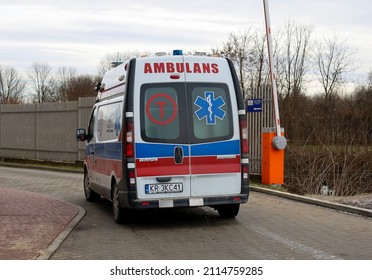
x: 121, y: 215
x: 228, y: 211
x: 90, y: 195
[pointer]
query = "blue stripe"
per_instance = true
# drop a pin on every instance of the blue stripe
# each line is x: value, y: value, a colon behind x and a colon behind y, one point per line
x: 105, y: 150
x: 113, y: 150
x: 216, y: 148
x: 149, y: 150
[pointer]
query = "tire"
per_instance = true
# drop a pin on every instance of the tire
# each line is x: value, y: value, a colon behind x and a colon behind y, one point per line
x: 121, y: 215
x: 90, y: 195
x: 228, y: 211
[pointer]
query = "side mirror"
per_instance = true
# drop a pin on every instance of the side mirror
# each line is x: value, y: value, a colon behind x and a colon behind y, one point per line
x: 81, y: 134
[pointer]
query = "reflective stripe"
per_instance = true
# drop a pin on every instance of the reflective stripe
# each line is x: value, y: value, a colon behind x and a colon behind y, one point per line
x: 244, y: 161
x: 166, y: 203
x: 196, y: 201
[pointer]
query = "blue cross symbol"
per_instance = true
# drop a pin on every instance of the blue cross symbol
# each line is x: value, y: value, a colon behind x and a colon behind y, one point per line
x: 210, y: 108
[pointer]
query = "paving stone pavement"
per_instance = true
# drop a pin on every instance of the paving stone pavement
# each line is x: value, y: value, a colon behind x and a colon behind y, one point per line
x: 36, y: 213
x: 30, y: 222
x: 267, y: 227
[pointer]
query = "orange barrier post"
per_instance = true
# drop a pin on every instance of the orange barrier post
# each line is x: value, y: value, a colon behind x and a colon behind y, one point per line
x: 272, y: 159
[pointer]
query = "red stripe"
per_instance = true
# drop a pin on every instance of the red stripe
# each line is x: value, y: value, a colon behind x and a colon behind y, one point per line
x: 199, y: 165
x: 113, y: 165
x: 105, y: 166
x: 162, y: 167
x: 211, y: 164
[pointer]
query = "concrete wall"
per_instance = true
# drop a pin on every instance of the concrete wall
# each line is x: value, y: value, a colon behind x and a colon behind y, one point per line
x: 45, y: 131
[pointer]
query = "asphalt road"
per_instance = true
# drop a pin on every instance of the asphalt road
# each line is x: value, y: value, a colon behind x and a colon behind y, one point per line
x: 267, y: 227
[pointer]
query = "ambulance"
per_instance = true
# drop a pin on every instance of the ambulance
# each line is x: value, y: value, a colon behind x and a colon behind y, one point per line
x: 168, y: 131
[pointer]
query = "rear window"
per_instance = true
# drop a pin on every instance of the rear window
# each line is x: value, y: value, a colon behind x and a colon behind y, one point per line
x: 185, y: 113
x: 211, y: 112
x: 161, y: 114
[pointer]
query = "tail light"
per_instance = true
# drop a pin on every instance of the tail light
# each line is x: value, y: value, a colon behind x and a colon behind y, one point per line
x: 129, y: 139
x: 244, y: 152
x: 129, y: 150
x: 243, y: 136
x: 237, y: 199
x: 132, y: 177
x: 245, y: 172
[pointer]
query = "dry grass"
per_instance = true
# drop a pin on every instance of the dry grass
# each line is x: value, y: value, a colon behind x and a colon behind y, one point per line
x: 345, y: 172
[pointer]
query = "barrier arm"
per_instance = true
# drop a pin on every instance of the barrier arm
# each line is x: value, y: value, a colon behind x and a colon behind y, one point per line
x: 279, y: 142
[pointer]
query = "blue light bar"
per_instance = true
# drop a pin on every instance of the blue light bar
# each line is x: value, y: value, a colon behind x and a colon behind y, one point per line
x: 177, y: 52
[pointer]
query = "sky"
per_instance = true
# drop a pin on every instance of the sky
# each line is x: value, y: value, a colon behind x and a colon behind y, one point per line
x: 80, y: 33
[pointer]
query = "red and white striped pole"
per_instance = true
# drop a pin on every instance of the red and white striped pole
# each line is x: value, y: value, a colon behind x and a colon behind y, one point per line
x: 279, y: 142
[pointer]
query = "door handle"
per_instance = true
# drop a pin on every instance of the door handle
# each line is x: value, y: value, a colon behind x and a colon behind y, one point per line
x: 163, y: 179
x: 92, y: 156
x: 178, y: 155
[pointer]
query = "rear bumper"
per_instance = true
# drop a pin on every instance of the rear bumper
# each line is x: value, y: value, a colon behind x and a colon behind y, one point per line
x: 182, y: 202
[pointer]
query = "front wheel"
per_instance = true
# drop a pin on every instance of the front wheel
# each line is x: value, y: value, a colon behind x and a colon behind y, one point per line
x: 228, y: 211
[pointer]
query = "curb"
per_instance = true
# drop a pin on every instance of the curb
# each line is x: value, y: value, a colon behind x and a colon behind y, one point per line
x: 46, y: 168
x: 54, y: 245
x: 313, y: 201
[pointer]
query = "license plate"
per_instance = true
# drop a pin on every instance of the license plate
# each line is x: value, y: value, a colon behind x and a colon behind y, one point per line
x: 163, y: 188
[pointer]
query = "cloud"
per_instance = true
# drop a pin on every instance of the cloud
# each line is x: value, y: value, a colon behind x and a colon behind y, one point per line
x: 47, y: 30
x: 82, y: 32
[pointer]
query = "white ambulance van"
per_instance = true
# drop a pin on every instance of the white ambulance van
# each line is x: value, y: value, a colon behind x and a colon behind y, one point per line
x: 168, y: 131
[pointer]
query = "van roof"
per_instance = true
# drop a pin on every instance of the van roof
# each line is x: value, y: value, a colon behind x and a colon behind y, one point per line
x: 115, y: 76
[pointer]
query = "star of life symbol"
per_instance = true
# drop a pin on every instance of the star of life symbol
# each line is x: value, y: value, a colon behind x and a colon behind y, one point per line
x: 210, y: 108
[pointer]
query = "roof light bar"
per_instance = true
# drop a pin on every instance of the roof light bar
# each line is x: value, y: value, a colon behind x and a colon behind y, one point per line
x: 177, y: 52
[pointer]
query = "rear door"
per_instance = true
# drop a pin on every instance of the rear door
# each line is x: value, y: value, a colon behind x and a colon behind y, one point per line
x: 213, y: 128
x: 161, y: 143
x: 214, y: 138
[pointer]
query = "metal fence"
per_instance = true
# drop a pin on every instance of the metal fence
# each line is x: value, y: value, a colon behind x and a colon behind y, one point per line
x: 257, y: 120
x: 46, y: 131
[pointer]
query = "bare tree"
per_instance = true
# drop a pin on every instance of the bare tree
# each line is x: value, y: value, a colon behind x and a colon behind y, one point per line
x: 258, y: 67
x: 64, y: 79
x: 292, y: 64
x: 39, y: 75
x: 333, y: 58
x: 247, y: 51
x: 81, y: 86
x: 70, y: 86
x: 293, y: 58
x: 236, y: 48
x: 11, y: 85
